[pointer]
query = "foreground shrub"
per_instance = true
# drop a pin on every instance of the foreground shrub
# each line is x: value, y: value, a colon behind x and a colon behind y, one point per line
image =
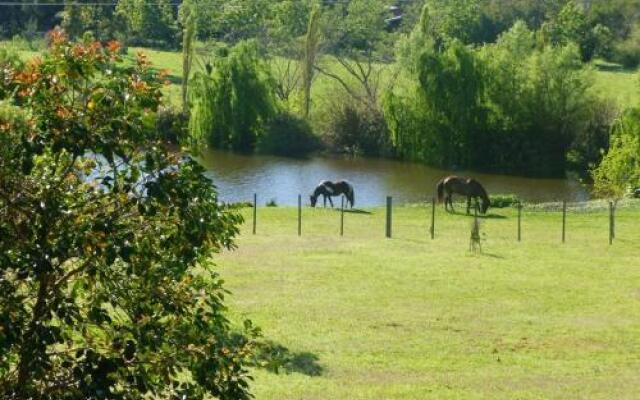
x: 107, y: 290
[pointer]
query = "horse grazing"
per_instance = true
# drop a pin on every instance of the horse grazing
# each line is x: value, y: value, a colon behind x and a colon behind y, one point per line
x: 330, y: 189
x: 464, y: 186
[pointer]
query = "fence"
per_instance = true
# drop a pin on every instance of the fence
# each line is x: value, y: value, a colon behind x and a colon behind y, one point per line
x: 561, y: 207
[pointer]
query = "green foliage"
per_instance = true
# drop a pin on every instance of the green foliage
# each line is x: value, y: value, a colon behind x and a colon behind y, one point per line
x: 287, y: 135
x: 172, y: 124
x: 312, y: 41
x: 508, y: 106
x: 188, y: 21
x: 360, y: 130
x: 619, y: 172
x: 627, y: 52
x: 446, y: 109
x: 107, y: 290
x: 102, y: 21
x: 233, y: 100
x: 451, y: 19
x: 9, y: 63
x: 503, y: 200
x: 150, y: 24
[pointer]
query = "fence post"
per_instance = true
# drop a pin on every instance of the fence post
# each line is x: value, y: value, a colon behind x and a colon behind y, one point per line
x: 388, y: 225
x: 564, y: 219
x: 519, y: 221
x: 433, y: 217
x: 610, y: 223
x: 613, y: 220
x: 255, y: 211
x: 299, y: 215
x: 342, y: 215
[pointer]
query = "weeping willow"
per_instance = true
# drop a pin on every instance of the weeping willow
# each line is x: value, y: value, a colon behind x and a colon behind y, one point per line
x: 232, y: 100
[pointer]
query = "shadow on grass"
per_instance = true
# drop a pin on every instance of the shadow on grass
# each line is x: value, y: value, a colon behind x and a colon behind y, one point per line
x: 480, y: 216
x: 277, y: 358
x: 350, y: 210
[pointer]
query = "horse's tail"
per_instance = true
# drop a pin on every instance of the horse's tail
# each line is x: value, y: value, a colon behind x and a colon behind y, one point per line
x: 440, y: 188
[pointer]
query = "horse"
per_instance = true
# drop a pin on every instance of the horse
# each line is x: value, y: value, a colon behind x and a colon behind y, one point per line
x: 465, y: 186
x: 330, y: 189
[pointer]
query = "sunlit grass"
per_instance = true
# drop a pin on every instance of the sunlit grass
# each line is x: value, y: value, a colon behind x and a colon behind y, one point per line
x: 412, y: 318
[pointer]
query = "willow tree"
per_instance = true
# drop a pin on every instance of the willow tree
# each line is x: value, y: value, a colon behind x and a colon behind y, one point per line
x: 311, y: 44
x: 233, y: 99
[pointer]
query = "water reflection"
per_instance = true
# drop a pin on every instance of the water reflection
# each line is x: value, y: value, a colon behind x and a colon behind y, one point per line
x: 239, y: 176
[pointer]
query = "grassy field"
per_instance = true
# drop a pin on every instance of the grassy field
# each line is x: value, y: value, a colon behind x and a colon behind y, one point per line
x: 613, y: 82
x: 364, y: 317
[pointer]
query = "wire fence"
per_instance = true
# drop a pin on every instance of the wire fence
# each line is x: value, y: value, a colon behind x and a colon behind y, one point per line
x: 566, y: 211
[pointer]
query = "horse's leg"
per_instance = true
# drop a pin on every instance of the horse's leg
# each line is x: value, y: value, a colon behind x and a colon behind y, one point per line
x: 451, y: 203
x: 324, y: 199
x: 330, y: 201
x: 468, y: 205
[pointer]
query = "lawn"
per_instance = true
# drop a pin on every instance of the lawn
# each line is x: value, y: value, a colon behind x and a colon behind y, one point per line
x: 364, y: 317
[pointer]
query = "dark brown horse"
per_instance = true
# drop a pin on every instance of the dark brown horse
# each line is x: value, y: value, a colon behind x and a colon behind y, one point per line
x: 330, y: 189
x: 464, y: 186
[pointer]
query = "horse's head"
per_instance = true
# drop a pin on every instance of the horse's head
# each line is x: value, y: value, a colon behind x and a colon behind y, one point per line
x: 313, y: 199
x: 485, y: 205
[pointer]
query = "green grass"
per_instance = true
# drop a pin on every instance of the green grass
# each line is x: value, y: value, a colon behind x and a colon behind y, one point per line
x: 622, y: 86
x: 412, y: 318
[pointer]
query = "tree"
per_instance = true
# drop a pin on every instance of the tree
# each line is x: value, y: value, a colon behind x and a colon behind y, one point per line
x: 149, y: 23
x: 359, y: 45
x: 188, y: 36
x: 232, y: 99
x: 107, y: 290
x: 312, y: 41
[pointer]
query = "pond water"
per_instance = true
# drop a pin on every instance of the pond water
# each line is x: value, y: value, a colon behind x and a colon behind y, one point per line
x: 238, y: 176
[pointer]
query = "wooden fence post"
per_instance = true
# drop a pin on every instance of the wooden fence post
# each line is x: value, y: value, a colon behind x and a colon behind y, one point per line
x: 613, y: 220
x: 255, y: 211
x: 433, y: 217
x: 610, y: 223
x: 342, y: 215
x: 388, y: 225
x: 299, y: 215
x: 564, y: 219
x: 519, y: 221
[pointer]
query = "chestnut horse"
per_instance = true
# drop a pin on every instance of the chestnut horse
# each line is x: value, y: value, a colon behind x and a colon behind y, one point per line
x: 468, y: 187
x: 330, y: 189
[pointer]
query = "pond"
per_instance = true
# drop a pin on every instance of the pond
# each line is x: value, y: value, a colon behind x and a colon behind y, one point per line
x: 239, y: 176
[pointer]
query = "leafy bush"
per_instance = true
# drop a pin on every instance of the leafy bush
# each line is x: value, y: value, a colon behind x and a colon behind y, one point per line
x: 272, y: 203
x: 503, y: 200
x: 287, y: 135
x: 358, y: 130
